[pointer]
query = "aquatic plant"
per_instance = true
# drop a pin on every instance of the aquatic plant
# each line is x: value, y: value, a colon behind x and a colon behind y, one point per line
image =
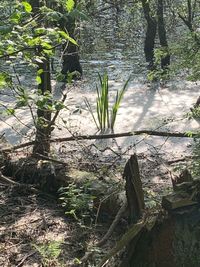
x: 105, y: 116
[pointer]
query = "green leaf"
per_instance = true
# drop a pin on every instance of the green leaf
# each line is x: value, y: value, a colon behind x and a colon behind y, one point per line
x: 10, y: 111
x: 79, y: 14
x: 70, y: 5
x: 67, y: 37
x: 40, y: 71
x: 23, y: 102
x: 4, y: 79
x: 60, y: 77
x: 38, y: 60
x: 27, y: 6
x: 10, y: 49
x: 38, y: 80
x: 15, y: 17
x: 58, y: 105
x: 46, y: 45
x: 54, y: 16
x: 40, y: 31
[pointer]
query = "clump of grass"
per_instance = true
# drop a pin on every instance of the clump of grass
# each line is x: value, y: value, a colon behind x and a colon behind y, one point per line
x: 105, y: 115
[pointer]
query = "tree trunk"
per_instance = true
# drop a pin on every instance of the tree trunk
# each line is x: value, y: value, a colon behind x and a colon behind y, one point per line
x: 149, y: 43
x: 169, y: 238
x: 70, y: 63
x: 165, y: 59
x: 43, y: 131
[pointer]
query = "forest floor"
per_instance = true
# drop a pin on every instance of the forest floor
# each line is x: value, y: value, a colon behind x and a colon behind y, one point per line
x: 34, y: 231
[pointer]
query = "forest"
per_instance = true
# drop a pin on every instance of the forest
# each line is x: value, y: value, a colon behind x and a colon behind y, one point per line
x: 99, y: 133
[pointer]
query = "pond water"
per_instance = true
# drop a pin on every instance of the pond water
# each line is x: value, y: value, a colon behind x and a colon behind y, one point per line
x: 113, y: 42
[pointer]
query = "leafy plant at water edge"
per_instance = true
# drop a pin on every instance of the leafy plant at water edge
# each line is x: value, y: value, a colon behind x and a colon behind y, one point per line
x: 106, y: 116
x: 195, y: 113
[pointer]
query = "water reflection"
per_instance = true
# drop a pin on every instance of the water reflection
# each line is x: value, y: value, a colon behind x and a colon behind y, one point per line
x: 109, y: 42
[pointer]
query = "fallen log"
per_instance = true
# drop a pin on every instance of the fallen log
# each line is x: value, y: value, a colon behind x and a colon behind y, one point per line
x: 108, y: 136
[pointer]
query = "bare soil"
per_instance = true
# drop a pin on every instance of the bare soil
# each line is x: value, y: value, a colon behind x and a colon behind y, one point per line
x: 34, y: 231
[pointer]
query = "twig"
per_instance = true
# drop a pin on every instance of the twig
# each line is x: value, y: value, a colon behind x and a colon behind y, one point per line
x: 51, y: 159
x: 105, y: 149
x: 125, y: 134
x: 182, y: 159
x: 52, y: 122
x: 103, y: 200
x: 25, y: 258
x: 16, y: 52
x: 86, y: 257
x: 7, y: 180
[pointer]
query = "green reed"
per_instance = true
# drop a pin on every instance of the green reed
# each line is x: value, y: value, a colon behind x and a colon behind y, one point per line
x: 106, y: 115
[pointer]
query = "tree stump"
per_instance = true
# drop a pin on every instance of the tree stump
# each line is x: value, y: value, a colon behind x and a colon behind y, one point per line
x: 174, y: 239
x: 134, y: 192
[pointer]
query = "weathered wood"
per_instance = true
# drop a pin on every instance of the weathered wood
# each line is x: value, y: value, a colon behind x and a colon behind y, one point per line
x: 186, y: 194
x: 172, y: 234
x: 177, y: 200
x: 134, y: 192
x: 172, y: 242
x: 185, y: 176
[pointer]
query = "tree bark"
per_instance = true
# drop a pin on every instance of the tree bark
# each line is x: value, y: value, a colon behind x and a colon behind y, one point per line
x: 70, y: 58
x: 134, y: 192
x: 165, y: 59
x: 43, y: 131
x: 149, y: 42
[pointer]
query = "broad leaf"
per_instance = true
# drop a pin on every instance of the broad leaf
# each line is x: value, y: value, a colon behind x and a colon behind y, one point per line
x: 67, y: 37
x: 70, y: 5
x: 27, y: 6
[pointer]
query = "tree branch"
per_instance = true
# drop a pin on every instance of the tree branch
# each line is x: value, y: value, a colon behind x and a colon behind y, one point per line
x: 52, y: 122
x: 108, y: 136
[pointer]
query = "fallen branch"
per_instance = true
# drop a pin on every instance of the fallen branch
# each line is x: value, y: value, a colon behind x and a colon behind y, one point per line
x: 107, y: 136
x: 7, y: 180
x: 182, y: 159
x: 134, y: 230
x: 113, y: 225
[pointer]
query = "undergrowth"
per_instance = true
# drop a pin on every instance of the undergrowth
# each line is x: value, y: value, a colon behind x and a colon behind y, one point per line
x: 77, y: 201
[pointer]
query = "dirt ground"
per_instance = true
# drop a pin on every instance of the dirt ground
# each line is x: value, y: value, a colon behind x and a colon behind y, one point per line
x: 34, y: 231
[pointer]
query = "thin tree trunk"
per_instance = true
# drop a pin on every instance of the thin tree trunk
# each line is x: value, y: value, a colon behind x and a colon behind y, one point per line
x: 70, y: 57
x: 43, y: 132
x: 149, y: 43
x: 165, y: 59
x: 189, y: 20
